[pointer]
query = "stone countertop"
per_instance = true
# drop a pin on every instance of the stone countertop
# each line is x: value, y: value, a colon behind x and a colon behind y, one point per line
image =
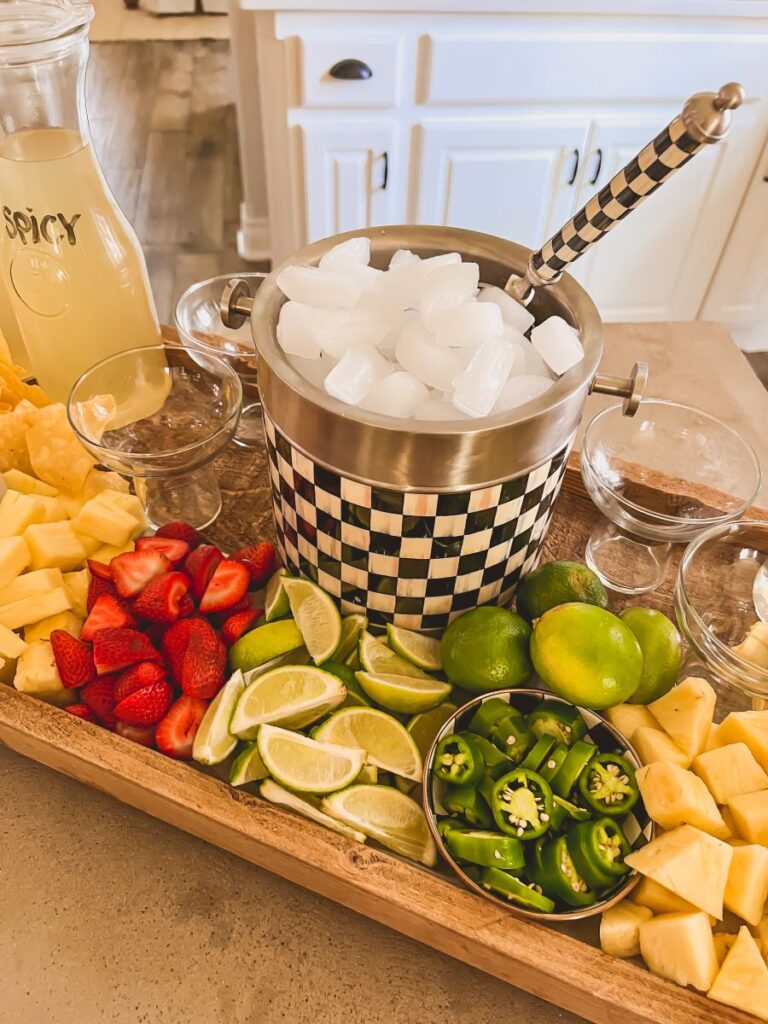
x: 111, y: 916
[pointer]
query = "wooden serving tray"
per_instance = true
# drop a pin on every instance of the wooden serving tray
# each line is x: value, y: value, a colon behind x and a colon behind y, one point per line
x: 561, y: 964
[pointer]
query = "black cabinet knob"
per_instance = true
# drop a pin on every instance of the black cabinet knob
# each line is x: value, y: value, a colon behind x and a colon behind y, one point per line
x: 351, y: 69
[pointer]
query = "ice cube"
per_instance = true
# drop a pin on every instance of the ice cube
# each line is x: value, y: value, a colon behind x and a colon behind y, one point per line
x: 369, y: 277
x: 513, y: 312
x: 466, y: 325
x: 314, y: 370
x: 438, y: 409
x: 356, y: 250
x: 477, y: 390
x: 294, y: 330
x: 403, y: 282
x: 396, y: 395
x: 403, y: 257
x: 316, y: 287
x: 336, y: 330
x: 355, y: 374
x: 446, y: 287
x: 417, y: 353
x: 558, y: 344
x: 521, y: 389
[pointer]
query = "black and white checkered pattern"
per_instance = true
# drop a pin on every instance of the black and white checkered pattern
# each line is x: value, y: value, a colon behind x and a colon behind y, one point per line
x: 671, y: 148
x: 415, y: 559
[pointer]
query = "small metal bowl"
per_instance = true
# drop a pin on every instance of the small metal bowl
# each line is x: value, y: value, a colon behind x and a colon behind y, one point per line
x: 638, y: 827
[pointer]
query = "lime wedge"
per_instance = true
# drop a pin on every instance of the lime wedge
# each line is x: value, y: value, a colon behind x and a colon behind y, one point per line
x: 298, y: 656
x: 306, y: 765
x: 264, y: 643
x: 355, y: 693
x: 353, y: 661
x: 427, y: 725
x: 284, y: 798
x: 247, y: 766
x: 276, y: 604
x: 351, y: 628
x: 292, y: 696
x: 421, y: 651
x: 213, y: 740
x: 316, y: 616
x: 369, y: 774
x: 385, y: 741
x: 404, y: 693
x: 385, y: 814
x: 404, y: 785
x: 376, y: 657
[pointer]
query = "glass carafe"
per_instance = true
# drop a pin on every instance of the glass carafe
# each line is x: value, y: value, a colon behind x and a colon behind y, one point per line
x: 72, y: 267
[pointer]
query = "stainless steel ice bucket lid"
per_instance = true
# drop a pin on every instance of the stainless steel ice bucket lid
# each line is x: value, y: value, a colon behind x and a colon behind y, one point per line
x: 438, y: 457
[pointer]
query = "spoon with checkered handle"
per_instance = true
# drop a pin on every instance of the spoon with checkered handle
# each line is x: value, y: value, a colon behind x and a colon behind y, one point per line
x: 706, y: 118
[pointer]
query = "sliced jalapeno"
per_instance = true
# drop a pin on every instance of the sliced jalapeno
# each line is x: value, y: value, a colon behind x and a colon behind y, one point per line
x: 512, y: 736
x: 609, y: 785
x: 524, y: 894
x: 467, y: 802
x: 564, y: 812
x: 561, y: 721
x: 486, y: 848
x: 446, y: 825
x: 550, y: 767
x: 487, y: 714
x: 537, y: 755
x: 458, y: 759
x: 485, y: 788
x: 576, y: 760
x: 559, y: 877
x: 533, y: 859
x: 496, y: 763
x: 598, y: 849
x: 522, y: 804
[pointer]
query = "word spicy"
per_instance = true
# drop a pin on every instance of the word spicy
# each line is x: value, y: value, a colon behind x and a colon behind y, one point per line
x: 28, y: 228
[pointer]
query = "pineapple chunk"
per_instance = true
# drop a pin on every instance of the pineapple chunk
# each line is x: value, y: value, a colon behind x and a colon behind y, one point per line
x: 42, y: 630
x: 11, y: 644
x: 729, y: 771
x: 742, y: 981
x: 680, y: 947
x: 713, y: 740
x: 14, y: 559
x: 628, y: 718
x: 55, y: 545
x: 90, y: 544
x: 730, y: 822
x: 620, y: 929
x: 654, y: 745
x: 37, y: 675
x: 747, y: 888
x: 107, y: 552
x: 754, y: 646
x: 76, y: 586
x: 674, y: 796
x: 686, y: 713
x: 41, y: 581
x: 34, y: 608
x: 99, y: 480
x: 17, y: 512
x: 691, y: 863
x: 72, y: 502
x: 723, y: 942
x: 750, y: 812
x: 660, y: 900
x: 127, y: 503
x: 53, y: 510
x: 106, y: 522
x: 24, y: 483
x: 56, y: 456
x: 750, y: 727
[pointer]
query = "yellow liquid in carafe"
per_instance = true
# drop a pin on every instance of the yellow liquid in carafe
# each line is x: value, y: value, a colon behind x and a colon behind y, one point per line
x: 72, y: 266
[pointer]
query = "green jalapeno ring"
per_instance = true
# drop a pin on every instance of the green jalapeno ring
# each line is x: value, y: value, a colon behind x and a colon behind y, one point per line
x: 467, y: 802
x: 516, y: 891
x: 537, y: 755
x: 609, y: 786
x: 563, y: 722
x: 512, y: 736
x: 458, y: 759
x: 564, y: 811
x: 521, y: 804
x: 597, y: 849
x: 559, y: 878
x: 572, y: 768
x: 488, y: 849
x: 446, y: 825
x: 496, y: 763
x: 488, y: 714
x: 550, y: 767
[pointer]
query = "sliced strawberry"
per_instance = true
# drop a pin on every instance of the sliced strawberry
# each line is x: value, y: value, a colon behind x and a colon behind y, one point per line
x: 181, y: 531
x: 229, y: 584
x: 116, y: 649
x: 160, y: 600
x: 133, y: 570
x: 145, y: 706
x: 196, y: 657
x: 99, y: 569
x: 238, y: 624
x: 143, y: 734
x: 261, y: 560
x: 186, y: 606
x: 97, y: 586
x: 100, y: 698
x: 107, y: 613
x: 218, y: 619
x: 175, y: 734
x: 136, y: 678
x: 73, y: 659
x: 200, y: 567
x: 174, y: 550
x: 82, y: 711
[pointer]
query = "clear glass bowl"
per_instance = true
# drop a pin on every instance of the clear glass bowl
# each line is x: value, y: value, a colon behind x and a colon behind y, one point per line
x: 661, y: 477
x: 198, y: 321
x: 160, y: 414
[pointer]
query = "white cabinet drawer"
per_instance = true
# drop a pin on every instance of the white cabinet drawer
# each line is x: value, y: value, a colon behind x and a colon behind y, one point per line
x: 381, y: 55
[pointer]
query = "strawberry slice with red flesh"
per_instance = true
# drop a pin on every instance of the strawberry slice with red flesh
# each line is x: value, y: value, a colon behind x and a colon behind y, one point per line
x: 99, y: 696
x: 97, y: 586
x: 73, y: 659
x: 196, y: 656
x: 238, y: 624
x: 117, y: 648
x: 99, y: 569
x: 107, y: 613
x: 175, y: 733
x: 160, y: 600
x: 133, y: 570
x: 82, y: 711
x: 181, y: 531
x: 229, y: 584
x: 174, y: 550
x: 200, y: 566
x: 146, y: 706
x: 146, y: 673
x: 261, y: 560
x: 143, y: 734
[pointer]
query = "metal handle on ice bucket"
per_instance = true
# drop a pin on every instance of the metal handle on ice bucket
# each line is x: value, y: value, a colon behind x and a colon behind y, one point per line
x: 236, y: 303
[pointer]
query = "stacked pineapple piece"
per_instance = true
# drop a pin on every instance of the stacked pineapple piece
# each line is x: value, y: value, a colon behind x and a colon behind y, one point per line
x: 706, y: 786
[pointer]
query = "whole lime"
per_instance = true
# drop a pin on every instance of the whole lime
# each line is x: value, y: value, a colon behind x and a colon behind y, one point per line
x: 662, y: 652
x: 558, y: 583
x: 486, y: 649
x: 586, y: 655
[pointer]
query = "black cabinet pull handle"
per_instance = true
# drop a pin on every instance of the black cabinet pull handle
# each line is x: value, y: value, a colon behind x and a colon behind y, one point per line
x: 351, y: 69
x: 575, y: 170
x: 598, y: 167
x: 385, y: 177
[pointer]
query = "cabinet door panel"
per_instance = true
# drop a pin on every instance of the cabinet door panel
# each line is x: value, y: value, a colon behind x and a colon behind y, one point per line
x: 505, y: 177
